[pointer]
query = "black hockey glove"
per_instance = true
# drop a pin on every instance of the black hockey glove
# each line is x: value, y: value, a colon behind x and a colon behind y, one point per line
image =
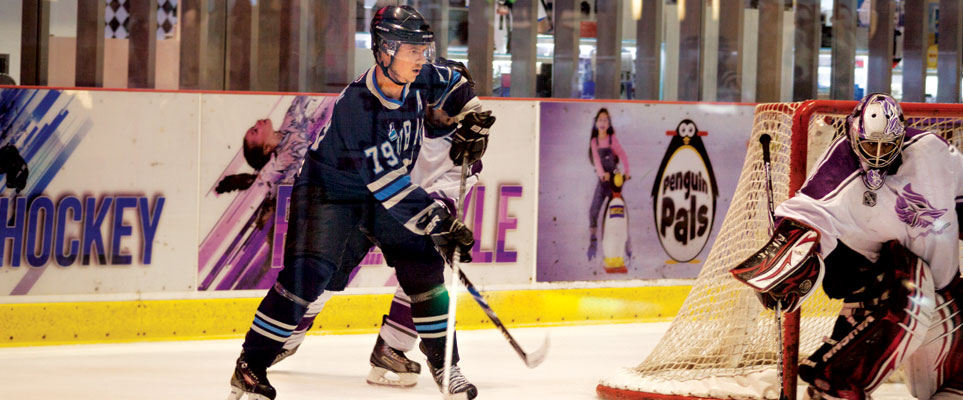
x: 13, y: 165
x: 451, y: 234
x: 471, y: 138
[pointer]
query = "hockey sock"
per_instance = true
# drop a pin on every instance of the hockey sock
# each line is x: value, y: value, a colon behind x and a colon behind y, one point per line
x: 429, y: 312
x: 397, y: 329
x: 307, y: 321
x: 275, y: 320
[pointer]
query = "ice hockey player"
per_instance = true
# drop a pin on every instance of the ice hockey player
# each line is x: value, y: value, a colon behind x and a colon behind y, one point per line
x: 357, y: 188
x: 878, y: 216
x: 389, y: 364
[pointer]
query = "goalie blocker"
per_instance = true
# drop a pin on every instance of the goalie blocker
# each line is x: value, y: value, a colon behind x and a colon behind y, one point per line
x: 787, y: 268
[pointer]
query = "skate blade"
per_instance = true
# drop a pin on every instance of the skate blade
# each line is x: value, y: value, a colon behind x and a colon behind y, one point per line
x: 457, y: 396
x: 237, y: 392
x: 382, y: 377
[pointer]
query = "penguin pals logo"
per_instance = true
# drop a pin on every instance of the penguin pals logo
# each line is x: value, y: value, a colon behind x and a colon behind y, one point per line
x: 684, y: 194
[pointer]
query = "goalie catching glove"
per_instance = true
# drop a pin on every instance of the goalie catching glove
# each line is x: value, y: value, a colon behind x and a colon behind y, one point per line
x: 471, y: 138
x: 787, y: 269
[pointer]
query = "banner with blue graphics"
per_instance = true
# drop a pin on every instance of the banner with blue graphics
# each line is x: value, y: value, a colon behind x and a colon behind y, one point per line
x: 98, y: 192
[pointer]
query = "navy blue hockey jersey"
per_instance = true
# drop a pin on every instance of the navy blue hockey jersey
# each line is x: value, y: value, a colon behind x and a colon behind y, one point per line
x: 371, y: 142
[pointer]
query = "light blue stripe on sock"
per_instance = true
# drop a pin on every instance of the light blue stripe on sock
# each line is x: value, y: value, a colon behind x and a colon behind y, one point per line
x: 432, y: 327
x: 263, y: 324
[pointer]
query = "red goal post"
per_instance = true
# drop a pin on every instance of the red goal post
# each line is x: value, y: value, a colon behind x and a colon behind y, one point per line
x: 722, y: 344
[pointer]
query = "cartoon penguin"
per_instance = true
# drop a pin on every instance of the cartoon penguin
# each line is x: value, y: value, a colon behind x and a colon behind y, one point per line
x: 685, y: 137
x: 615, y: 229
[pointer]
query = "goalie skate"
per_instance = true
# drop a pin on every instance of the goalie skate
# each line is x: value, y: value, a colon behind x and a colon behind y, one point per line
x: 390, y: 367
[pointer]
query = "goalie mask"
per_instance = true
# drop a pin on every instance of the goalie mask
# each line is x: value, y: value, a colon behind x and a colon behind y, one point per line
x: 402, y: 33
x: 876, y: 132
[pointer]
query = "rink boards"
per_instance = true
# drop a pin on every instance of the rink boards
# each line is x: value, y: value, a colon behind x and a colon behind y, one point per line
x: 121, y: 235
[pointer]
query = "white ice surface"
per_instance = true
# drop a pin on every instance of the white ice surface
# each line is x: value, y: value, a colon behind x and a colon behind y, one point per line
x: 331, y: 367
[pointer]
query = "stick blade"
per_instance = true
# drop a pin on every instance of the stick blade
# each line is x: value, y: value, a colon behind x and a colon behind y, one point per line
x: 536, y: 357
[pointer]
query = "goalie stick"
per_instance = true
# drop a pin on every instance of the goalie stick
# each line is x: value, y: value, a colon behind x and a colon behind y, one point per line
x: 764, y: 140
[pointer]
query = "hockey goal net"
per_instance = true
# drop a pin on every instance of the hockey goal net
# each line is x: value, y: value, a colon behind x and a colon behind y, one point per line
x: 722, y: 343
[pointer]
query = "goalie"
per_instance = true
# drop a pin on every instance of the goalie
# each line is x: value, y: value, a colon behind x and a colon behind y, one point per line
x: 877, y: 224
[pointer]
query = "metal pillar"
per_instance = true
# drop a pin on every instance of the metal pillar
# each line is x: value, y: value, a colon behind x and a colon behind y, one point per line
x: 880, y: 73
x: 844, y: 50
x: 729, y: 71
x: 481, y: 45
x: 808, y: 33
x: 950, y: 46
x: 193, y: 23
x: 34, y: 39
x: 437, y: 13
x: 293, y: 46
x: 769, y: 60
x: 339, y: 26
x: 523, y: 41
x: 267, y: 58
x: 690, y: 49
x: 202, y: 57
x: 90, y: 43
x: 608, y: 55
x: 914, y: 50
x: 241, y: 31
x: 648, y: 57
x: 565, y: 63
x: 142, y: 56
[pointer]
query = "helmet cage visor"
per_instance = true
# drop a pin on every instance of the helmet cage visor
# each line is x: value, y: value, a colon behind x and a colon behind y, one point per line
x: 417, y: 53
x: 877, y: 131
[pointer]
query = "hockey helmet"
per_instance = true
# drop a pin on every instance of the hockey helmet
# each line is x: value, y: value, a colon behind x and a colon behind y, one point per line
x: 877, y: 128
x: 393, y: 26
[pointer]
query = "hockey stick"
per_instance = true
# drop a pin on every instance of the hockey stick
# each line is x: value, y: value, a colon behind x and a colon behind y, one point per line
x: 453, y: 288
x: 532, y: 359
x: 765, y: 139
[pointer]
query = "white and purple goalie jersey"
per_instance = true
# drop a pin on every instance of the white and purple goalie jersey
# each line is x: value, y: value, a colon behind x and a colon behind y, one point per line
x: 917, y: 204
x: 372, y: 142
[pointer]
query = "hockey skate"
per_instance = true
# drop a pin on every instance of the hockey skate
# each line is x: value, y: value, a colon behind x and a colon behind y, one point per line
x: 458, y: 387
x: 252, y: 381
x: 386, y: 362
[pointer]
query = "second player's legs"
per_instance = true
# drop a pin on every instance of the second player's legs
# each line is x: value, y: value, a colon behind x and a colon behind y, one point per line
x: 397, y: 329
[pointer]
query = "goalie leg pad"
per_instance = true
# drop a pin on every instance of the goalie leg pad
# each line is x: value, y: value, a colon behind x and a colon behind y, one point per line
x: 891, y: 328
x: 787, y: 268
x: 937, y: 367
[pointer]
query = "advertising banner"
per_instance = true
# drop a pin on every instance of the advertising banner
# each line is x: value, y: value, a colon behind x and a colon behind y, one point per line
x: 134, y: 192
x: 99, y: 192
x: 634, y: 190
x: 243, y: 216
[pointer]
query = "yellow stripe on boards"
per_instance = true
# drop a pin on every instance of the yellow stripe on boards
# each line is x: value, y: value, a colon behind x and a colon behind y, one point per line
x: 160, y: 320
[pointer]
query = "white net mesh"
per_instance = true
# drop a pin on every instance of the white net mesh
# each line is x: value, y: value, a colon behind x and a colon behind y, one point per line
x: 723, y: 343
